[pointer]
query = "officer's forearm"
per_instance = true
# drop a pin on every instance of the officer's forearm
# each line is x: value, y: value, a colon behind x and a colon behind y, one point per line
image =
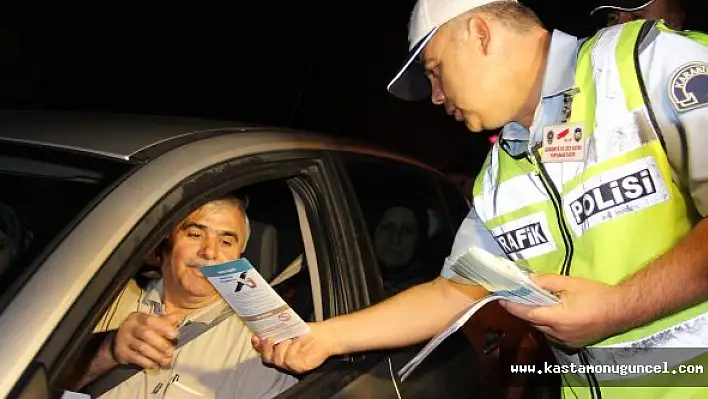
x: 673, y: 282
x: 410, y: 317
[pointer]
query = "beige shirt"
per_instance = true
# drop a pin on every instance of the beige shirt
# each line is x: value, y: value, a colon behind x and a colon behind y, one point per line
x: 220, y: 363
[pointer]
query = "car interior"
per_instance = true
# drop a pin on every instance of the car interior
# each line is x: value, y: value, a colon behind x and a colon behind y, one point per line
x: 275, y: 246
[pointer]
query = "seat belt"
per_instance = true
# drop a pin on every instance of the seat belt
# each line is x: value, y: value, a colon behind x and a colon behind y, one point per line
x: 188, y: 332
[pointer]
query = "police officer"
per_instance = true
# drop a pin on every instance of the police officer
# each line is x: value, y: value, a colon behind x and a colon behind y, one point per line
x: 621, y: 11
x: 601, y: 160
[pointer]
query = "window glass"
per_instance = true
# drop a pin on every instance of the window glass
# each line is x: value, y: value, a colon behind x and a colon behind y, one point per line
x: 41, y: 192
x: 407, y: 223
x: 457, y: 205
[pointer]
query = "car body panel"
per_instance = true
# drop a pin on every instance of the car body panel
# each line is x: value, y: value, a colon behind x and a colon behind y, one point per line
x: 164, y: 153
x: 42, y: 303
x: 112, y: 135
x: 126, y: 136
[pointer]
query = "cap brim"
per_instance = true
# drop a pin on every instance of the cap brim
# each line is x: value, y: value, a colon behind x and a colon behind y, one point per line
x: 410, y: 83
x: 636, y: 7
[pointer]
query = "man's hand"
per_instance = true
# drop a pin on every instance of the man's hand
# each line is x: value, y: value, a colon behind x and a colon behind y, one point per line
x: 588, y: 312
x: 299, y: 354
x: 146, y: 340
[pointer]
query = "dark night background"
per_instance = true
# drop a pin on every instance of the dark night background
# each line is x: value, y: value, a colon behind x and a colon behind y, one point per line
x: 312, y: 66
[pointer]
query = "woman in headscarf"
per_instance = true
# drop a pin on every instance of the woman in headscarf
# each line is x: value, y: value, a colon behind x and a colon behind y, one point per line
x: 398, y: 227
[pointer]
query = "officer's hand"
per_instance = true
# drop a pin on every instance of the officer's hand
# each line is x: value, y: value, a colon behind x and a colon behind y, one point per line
x: 588, y: 312
x: 145, y: 340
x: 300, y: 354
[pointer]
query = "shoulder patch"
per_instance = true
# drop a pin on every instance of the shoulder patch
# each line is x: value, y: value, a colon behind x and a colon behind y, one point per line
x: 688, y: 86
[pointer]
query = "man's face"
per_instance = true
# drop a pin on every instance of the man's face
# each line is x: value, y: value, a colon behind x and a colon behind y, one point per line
x: 466, y: 76
x: 658, y: 9
x: 210, y: 235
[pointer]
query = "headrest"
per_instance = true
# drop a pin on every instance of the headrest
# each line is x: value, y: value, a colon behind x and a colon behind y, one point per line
x: 262, y: 249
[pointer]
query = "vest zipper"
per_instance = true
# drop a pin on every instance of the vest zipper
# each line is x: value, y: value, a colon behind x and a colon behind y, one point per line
x: 595, y: 392
x: 557, y: 206
x: 594, y: 385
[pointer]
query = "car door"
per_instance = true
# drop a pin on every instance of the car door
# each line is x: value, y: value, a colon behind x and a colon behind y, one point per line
x: 368, y: 181
x: 476, y: 358
x: 136, y: 215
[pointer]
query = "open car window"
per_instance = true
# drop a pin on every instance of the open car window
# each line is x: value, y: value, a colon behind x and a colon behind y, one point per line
x: 275, y: 248
x: 407, y: 218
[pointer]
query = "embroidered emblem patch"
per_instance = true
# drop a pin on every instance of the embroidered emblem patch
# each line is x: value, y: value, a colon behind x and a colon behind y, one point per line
x: 688, y: 86
x: 578, y: 134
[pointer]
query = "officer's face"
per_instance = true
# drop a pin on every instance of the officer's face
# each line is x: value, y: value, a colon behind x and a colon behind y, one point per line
x: 469, y: 75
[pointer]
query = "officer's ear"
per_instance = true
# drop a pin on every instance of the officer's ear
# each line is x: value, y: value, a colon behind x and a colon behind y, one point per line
x: 479, y: 32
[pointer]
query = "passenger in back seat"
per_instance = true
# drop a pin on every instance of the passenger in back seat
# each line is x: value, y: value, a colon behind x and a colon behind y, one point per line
x: 142, y: 323
x: 397, y: 233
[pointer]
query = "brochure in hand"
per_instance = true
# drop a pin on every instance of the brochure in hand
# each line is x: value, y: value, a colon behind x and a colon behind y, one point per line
x: 255, y: 301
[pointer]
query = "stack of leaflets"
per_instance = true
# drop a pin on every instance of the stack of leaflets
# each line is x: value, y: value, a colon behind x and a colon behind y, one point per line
x: 502, y: 277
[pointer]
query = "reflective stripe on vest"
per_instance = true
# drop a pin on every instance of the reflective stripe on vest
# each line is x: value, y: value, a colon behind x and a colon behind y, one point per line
x: 672, y: 346
x: 606, y: 217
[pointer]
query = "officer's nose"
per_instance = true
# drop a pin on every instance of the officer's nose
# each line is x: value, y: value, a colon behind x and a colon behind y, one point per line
x: 437, y: 95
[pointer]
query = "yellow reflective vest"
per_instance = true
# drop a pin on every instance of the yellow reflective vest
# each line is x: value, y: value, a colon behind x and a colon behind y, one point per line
x: 603, y: 218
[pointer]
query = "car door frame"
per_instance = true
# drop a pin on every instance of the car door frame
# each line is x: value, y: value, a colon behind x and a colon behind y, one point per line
x: 375, y: 371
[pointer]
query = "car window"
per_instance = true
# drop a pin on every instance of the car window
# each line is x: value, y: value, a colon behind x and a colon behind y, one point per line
x: 43, y: 190
x: 277, y: 251
x: 408, y: 225
x: 275, y: 247
x: 458, y: 205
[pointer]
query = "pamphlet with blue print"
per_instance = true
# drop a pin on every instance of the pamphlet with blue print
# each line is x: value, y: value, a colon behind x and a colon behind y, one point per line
x: 255, y: 301
x: 503, y: 278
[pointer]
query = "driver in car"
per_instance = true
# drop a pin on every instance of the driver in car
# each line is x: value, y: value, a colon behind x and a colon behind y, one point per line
x: 141, y: 326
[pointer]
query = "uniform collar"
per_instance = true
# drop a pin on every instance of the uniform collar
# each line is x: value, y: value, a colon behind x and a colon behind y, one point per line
x: 558, y: 77
x: 560, y: 65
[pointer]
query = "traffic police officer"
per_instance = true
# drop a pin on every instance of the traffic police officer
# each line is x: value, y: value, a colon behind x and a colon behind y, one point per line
x: 600, y: 164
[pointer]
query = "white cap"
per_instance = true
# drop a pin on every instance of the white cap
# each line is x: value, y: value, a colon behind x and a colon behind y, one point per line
x: 410, y: 82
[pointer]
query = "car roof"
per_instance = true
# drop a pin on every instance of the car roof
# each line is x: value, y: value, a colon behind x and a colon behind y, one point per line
x: 113, y: 135
x: 139, y: 137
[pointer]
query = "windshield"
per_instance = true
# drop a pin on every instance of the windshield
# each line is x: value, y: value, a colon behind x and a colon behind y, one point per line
x: 42, y: 191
